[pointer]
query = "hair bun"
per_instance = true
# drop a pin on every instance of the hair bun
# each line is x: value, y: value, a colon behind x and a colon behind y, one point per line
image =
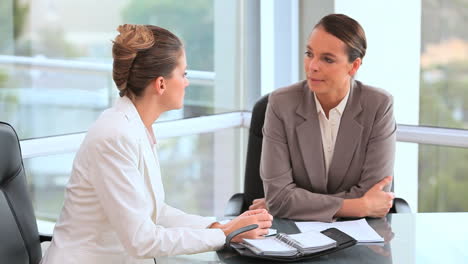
x: 134, y: 38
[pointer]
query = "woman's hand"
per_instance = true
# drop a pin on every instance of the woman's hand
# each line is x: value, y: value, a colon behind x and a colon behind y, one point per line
x: 376, y: 201
x: 258, y: 204
x: 261, y: 217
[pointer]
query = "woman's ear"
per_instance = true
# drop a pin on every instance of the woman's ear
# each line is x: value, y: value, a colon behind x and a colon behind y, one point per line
x: 159, y: 85
x: 355, y: 66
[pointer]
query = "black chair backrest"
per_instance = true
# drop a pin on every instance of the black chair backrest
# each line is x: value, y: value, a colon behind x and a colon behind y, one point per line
x: 253, y: 185
x: 19, y: 238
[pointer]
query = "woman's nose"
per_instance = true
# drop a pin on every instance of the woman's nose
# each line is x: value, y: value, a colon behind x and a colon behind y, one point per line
x: 313, y: 64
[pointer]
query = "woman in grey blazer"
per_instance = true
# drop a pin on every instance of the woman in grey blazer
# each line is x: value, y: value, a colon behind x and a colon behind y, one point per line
x: 329, y: 141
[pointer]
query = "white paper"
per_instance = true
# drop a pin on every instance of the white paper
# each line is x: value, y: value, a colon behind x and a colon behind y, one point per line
x: 270, y: 246
x: 358, y: 229
x: 271, y: 232
x: 312, y: 240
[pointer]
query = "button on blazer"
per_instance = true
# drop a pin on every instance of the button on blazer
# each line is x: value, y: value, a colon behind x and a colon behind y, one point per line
x: 114, y: 210
x: 292, y: 163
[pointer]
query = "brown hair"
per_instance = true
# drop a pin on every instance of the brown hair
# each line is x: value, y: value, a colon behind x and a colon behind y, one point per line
x: 347, y: 30
x: 141, y: 54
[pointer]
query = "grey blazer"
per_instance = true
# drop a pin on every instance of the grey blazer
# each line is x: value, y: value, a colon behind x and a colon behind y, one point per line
x: 292, y: 164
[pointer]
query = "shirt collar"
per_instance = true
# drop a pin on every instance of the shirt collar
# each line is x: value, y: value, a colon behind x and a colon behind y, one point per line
x: 126, y: 106
x: 151, y: 137
x: 340, y: 107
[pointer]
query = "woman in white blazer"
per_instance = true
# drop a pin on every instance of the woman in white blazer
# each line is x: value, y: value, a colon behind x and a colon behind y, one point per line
x: 114, y: 210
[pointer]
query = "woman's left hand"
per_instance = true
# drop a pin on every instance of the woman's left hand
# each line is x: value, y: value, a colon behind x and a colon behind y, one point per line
x: 259, y: 217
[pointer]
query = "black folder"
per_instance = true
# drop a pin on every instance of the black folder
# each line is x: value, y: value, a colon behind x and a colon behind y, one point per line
x: 342, y: 241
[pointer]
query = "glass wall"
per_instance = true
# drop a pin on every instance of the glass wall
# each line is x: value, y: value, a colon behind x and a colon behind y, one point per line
x: 443, y: 171
x: 443, y: 179
x: 55, y: 59
x: 192, y: 181
x: 421, y: 59
x: 55, y: 78
x: 444, y: 64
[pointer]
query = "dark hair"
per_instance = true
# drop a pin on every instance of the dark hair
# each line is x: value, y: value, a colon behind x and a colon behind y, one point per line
x: 347, y: 30
x: 141, y: 54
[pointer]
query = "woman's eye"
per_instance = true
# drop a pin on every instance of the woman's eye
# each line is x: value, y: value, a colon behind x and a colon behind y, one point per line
x: 185, y: 74
x: 328, y: 60
x: 308, y: 54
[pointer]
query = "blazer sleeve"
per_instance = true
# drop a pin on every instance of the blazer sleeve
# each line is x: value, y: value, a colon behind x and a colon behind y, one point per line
x: 173, y: 217
x: 283, y: 197
x: 113, y: 171
x: 380, y: 155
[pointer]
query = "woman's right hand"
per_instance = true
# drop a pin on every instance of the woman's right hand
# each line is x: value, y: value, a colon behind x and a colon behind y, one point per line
x: 378, y: 202
x: 258, y: 204
x: 261, y: 217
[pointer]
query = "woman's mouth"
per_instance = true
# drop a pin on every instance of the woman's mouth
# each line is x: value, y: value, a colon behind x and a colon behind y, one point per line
x: 315, y: 80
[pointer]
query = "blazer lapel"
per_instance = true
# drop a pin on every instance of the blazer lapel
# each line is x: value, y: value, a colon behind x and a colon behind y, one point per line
x: 348, y: 138
x: 150, y: 169
x: 153, y: 175
x: 310, y: 141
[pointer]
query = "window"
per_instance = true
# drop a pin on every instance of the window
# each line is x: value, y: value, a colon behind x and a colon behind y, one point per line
x: 421, y: 59
x: 443, y: 179
x: 55, y: 64
x: 55, y: 80
x: 187, y: 168
x: 444, y: 64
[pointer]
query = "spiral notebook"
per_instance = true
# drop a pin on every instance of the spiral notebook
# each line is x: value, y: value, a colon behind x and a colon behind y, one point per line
x: 290, y: 245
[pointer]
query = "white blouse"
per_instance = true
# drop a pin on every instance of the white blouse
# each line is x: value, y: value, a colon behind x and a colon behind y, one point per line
x: 329, y: 127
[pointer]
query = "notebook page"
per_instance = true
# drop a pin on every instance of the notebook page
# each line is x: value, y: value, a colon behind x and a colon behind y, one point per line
x: 358, y: 229
x: 312, y: 239
x: 269, y: 244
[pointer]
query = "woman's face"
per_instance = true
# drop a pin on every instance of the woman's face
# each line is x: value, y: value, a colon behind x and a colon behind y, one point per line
x: 176, y: 84
x: 326, y: 63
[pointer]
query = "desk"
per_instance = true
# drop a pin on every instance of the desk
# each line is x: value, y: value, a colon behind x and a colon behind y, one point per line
x: 413, y: 238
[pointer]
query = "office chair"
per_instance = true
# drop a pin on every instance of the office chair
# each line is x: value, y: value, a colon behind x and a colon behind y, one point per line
x: 253, y: 185
x: 20, y: 241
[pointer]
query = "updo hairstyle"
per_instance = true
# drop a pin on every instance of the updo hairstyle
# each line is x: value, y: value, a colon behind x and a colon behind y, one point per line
x: 141, y: 54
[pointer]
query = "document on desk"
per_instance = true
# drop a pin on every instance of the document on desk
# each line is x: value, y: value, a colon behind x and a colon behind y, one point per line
x: 358, y: 229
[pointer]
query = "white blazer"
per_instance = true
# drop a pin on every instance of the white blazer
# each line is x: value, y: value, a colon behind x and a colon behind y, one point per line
x: 114, y: 210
